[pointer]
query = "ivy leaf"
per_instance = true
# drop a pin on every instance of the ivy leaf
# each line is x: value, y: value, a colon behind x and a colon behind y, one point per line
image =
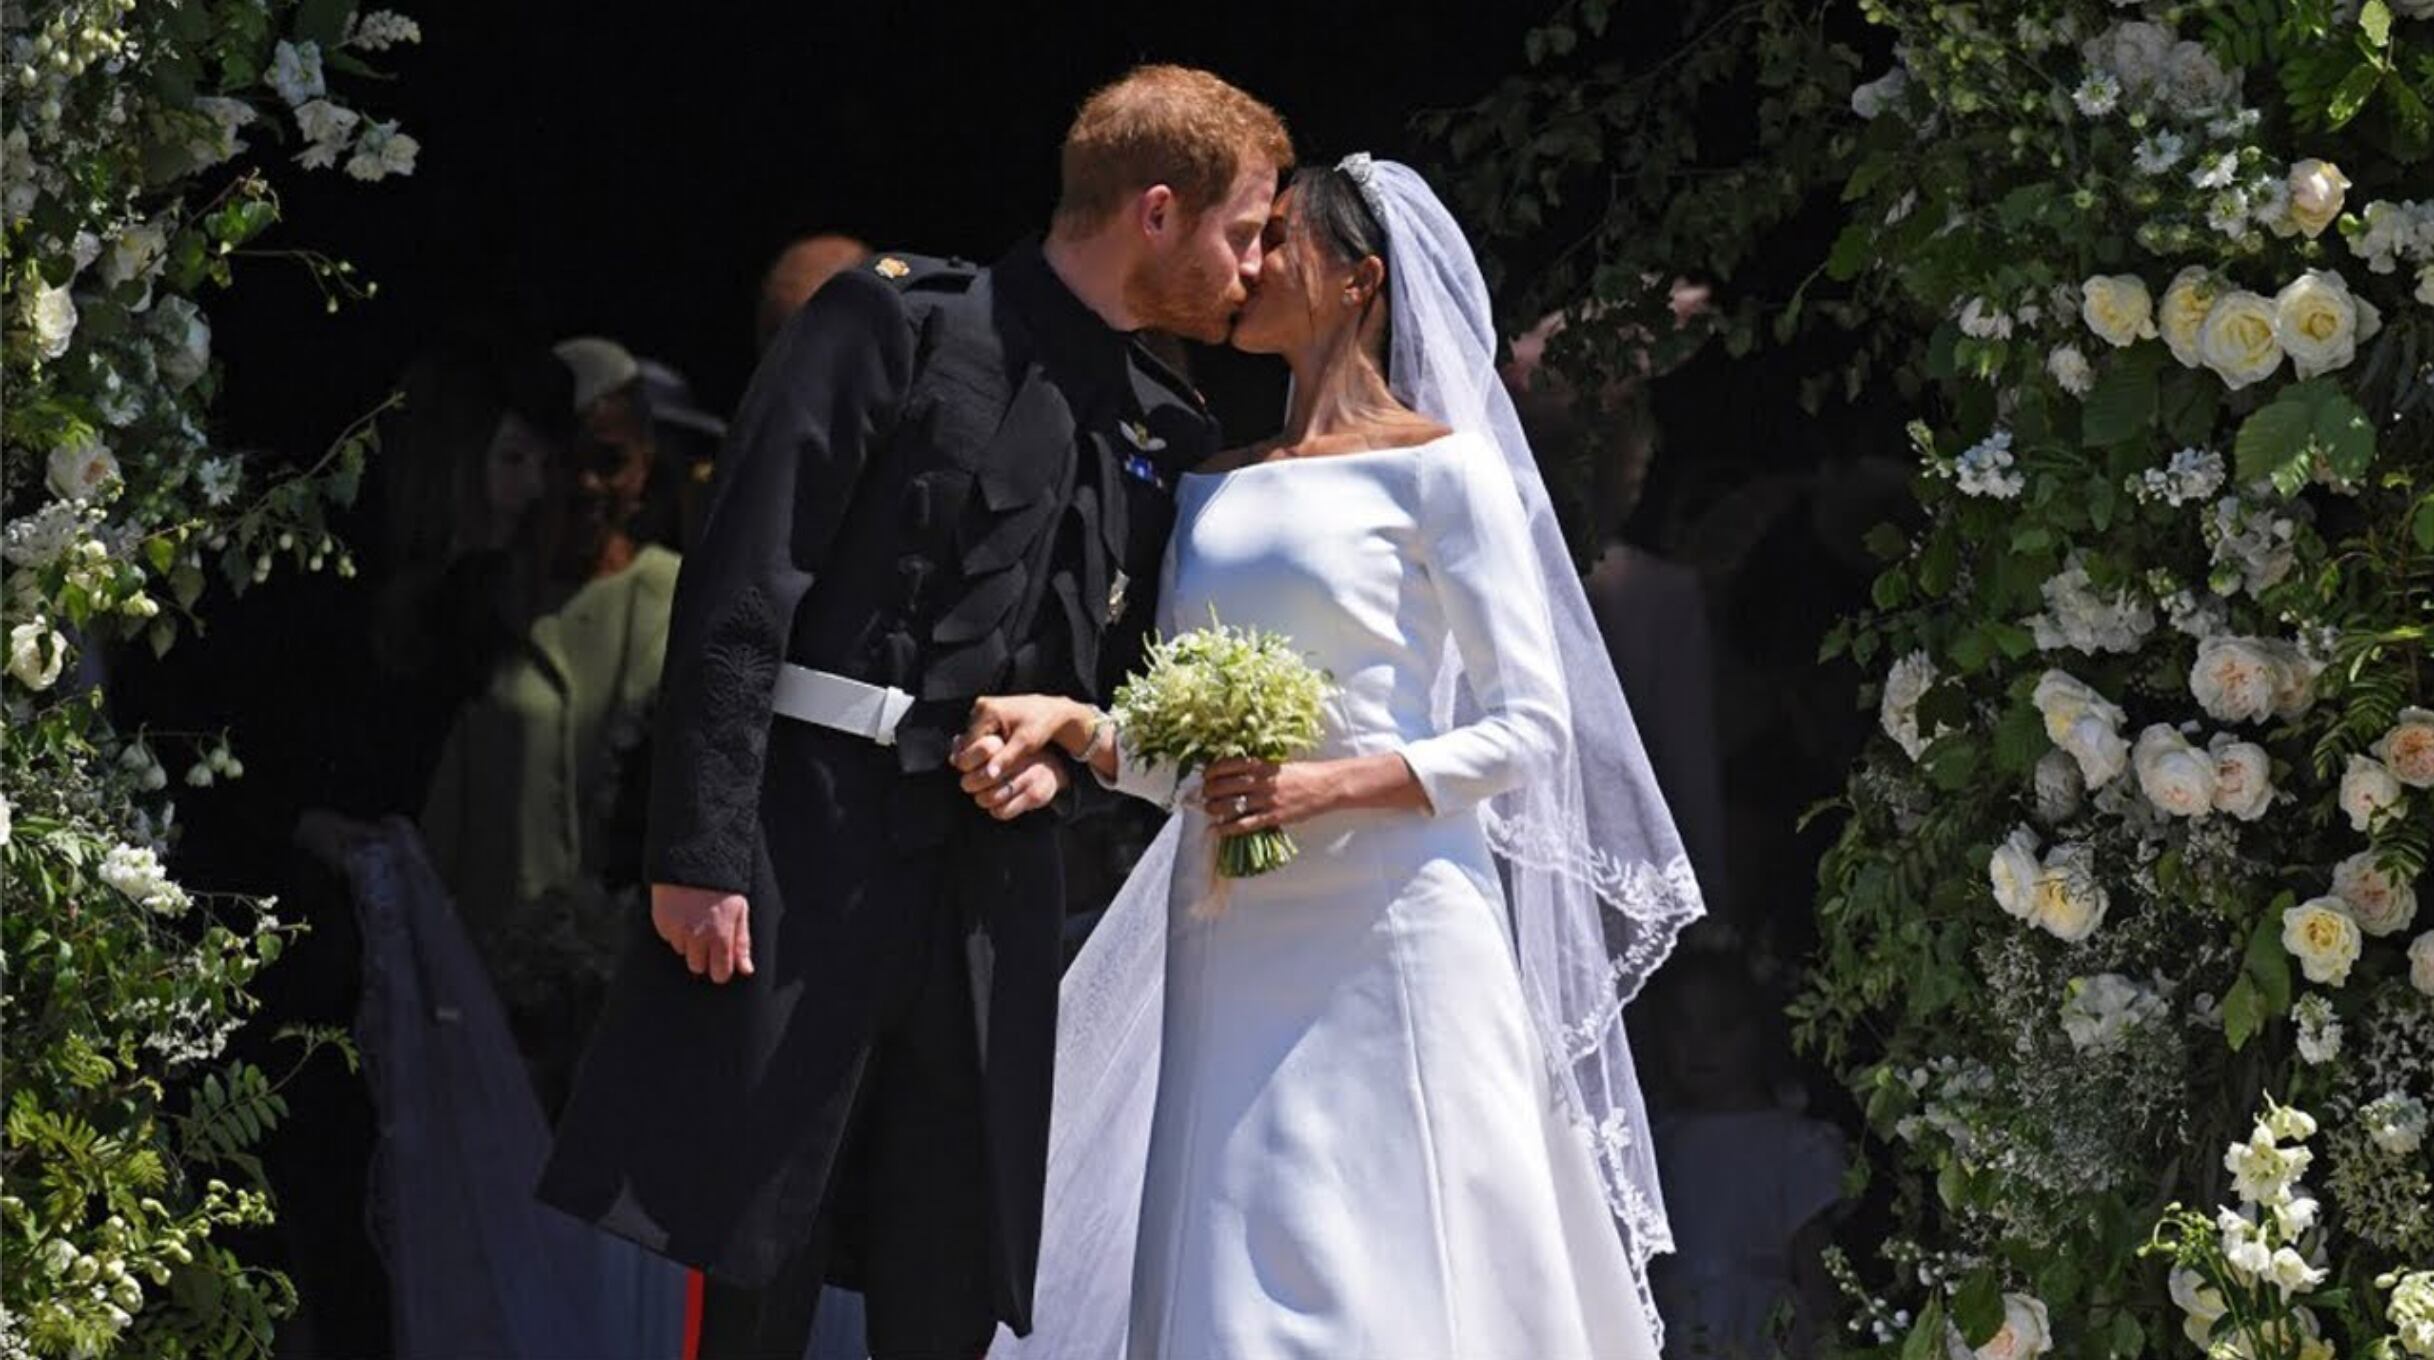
x: 1978, y: 1307
x: 2124, y: 400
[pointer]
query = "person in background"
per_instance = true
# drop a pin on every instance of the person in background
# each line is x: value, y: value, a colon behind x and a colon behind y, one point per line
x: 796, y: 274
x: 534, y: 815
x: 1758, y: 1177
x: 688, y: 438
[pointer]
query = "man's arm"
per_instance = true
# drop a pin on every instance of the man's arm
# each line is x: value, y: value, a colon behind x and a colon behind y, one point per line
x: 826, y: 392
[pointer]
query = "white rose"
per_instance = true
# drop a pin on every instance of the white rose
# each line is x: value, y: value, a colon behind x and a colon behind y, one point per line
x: 2316, y: 191
x: 2237, y: 341
x: 2367, y: 789
x: 81, y: 468
x: 2070, y: 370
x: 2174, y: 775
x: 2118, y: 308
x: 2083, y: 724
x: 186, y: 338
x: 2187, y: 300
x: 2322, y: 935
x: 2408, y: 749
x: 2026, y: 1333
x: 2294, y: 690
x: 2421, y: 963
x: 1910, y: 679
x: 53, y: 317
x: 2102, y: 752
x: 2383, y: 904
x: 2012, y: 870
x: 2236, y: 679
x: 2243, y: 777
x: 295, y: 72
x: 2067, y: 900
x: 2060, y: 787
x: 36, y: 651
x: 134, y: 253
x: 2315, y: 321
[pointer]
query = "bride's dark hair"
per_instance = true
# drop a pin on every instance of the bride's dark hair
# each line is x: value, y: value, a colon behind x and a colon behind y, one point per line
x: 1330, y: 206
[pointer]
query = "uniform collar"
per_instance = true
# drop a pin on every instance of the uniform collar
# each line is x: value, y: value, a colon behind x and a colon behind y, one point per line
x: 1062, y: 322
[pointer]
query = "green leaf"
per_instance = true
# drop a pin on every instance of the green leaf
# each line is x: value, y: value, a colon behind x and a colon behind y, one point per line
x: 2243, y: 1013
x: 1887, y: 542
x: 1978, y: 1307
x: 2267, y: 964
x: 1850, y: 253
x: 2272, y: 443
x: 2123, y: 401
x: 2421, y: 526
x: 2129, y: 1338
x: 2345, y: 435
x: 2350, y: 96
x: 1926, y: 1339
x: 2191, y: 400
x: 2375, y: 23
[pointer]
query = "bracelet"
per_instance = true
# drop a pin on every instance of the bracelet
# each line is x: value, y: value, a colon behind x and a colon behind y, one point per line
x: 1102, y: 729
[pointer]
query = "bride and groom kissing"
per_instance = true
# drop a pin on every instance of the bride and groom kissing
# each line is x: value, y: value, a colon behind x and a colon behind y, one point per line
x: 1375, y: 1103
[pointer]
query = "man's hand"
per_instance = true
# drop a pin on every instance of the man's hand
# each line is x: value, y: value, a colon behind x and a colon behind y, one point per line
x: 1023, y: 725
x: 710, y: 928
x: 1022, y: 786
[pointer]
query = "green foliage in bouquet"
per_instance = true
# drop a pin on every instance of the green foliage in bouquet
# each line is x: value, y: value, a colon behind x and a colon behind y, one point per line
x: 126, y: 195
x: 1220, y: 693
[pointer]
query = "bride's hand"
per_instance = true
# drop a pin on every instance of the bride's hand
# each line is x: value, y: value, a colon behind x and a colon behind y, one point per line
x: 1242, y: 796
x: 1023, y: 725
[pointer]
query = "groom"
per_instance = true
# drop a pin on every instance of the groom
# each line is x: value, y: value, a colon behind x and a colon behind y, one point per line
x: 833, y: 1062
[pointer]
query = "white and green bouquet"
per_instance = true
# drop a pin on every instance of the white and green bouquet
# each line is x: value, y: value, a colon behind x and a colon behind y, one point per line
x: 1220, y: 693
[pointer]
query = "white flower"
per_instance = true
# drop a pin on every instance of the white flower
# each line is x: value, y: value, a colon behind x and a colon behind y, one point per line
x: 2238, y: 340
x: 2097, y: 95
x: 2425, y: 286
x: 2408, y: 749
x: 2135, y: 52
x: 2237, y: 679
x: 2078, y: 617
x: 2194, y: 474
x: 1982, y: 320
x: 2060, y: 787
x: 1984, y: 469
x: 2097, y: 1011
x: 2228, y: 213
x: 2187, y: 300
x: 2118, y: 308
x: 2262, y: 1170
x: 2291, y: 1273
x: 52, y: 315
x: 2294, y: 1214
x: 217, y: 479
x: 2322, y: 935
x: 2218, y: 172
x: 134, y: 254
x: 2158, y: 152
x: 295, y: 72
x: 2367, y: 791
x: 8, y: 823
x: 2317, y: 323
x: 2085, y: 725
x: 2383, y: 903
x: 2193, y: 83
x: 327, y: 128
x: 35, y: 653
x: 2012, y: 870
x: 82, y: 468
x: 2068, y: 900
x: 1902, y: 208
x: 2243, y: 777
x: 186, y: 338
x: 2174, y: 775
x: 2319, y: 1030
x: 379, y: 30
x: 2070, y: 370
x: 2396, y: 1121
x: 2025, y: 1335
x: 1910, y: 679
x: 1879, y: 94
x: 2249, y: 546
x: 2412, y: 1307
x: 383, y: 150
x: 2316, y: 192
x: 2244, y: 1247
x: 137, y: 872
x: 227, y: 116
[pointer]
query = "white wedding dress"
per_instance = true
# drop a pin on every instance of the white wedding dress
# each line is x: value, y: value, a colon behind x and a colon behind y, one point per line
x: 1356, y: 1152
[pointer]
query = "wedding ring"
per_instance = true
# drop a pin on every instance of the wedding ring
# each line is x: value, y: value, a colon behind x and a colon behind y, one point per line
x: 1242, y: 804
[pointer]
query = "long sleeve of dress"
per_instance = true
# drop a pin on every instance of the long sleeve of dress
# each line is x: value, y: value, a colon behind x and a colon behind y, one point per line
x: 1478, y: 555
x: 825, y: 394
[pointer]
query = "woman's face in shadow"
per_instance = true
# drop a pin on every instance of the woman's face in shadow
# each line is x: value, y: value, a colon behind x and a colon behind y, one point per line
x: 515, y: 477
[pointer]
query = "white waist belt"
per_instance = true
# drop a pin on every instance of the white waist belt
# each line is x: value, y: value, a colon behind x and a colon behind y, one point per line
x: 832, y: 701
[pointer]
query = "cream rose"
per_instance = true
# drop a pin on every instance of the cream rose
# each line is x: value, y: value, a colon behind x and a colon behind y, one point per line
x: 2068, y: 901
x: 2237, y: 679
x: 2118, y: 308
x: 2316, y: 191
x: 81, y: 468
x: 2012, y: 871
x: 2174, y: 775
x: 2316, y: 322
x: 2083, y: 724
x: 53, y: 317
x: 2367, y: 790
x: 1908, y: 681
x: 2322, y: 935
x: 2243, y: 777
x: 2294, y: 691
x: 2237, y: 341
x: 2421, y: 963
x: 36, y: 651
x: 2026, y: 1333
x: 2382, y: 904
x: 2408, y: 749
x: 2187, y: 300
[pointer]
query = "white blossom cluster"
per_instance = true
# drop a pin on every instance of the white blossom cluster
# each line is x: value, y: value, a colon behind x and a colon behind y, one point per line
x: 1985, y: 469
x: 2390, y: 236
x: 2146, y: 66
x: 2250, y: 546
x: 2079, y: 618
x: 137, y: 872
x: 2193, y: 474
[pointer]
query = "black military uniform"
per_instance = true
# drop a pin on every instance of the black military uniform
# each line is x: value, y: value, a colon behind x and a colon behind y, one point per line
x: 954, y: 482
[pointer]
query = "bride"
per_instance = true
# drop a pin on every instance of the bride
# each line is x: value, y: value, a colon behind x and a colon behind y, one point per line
x: 1377, y: 1103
